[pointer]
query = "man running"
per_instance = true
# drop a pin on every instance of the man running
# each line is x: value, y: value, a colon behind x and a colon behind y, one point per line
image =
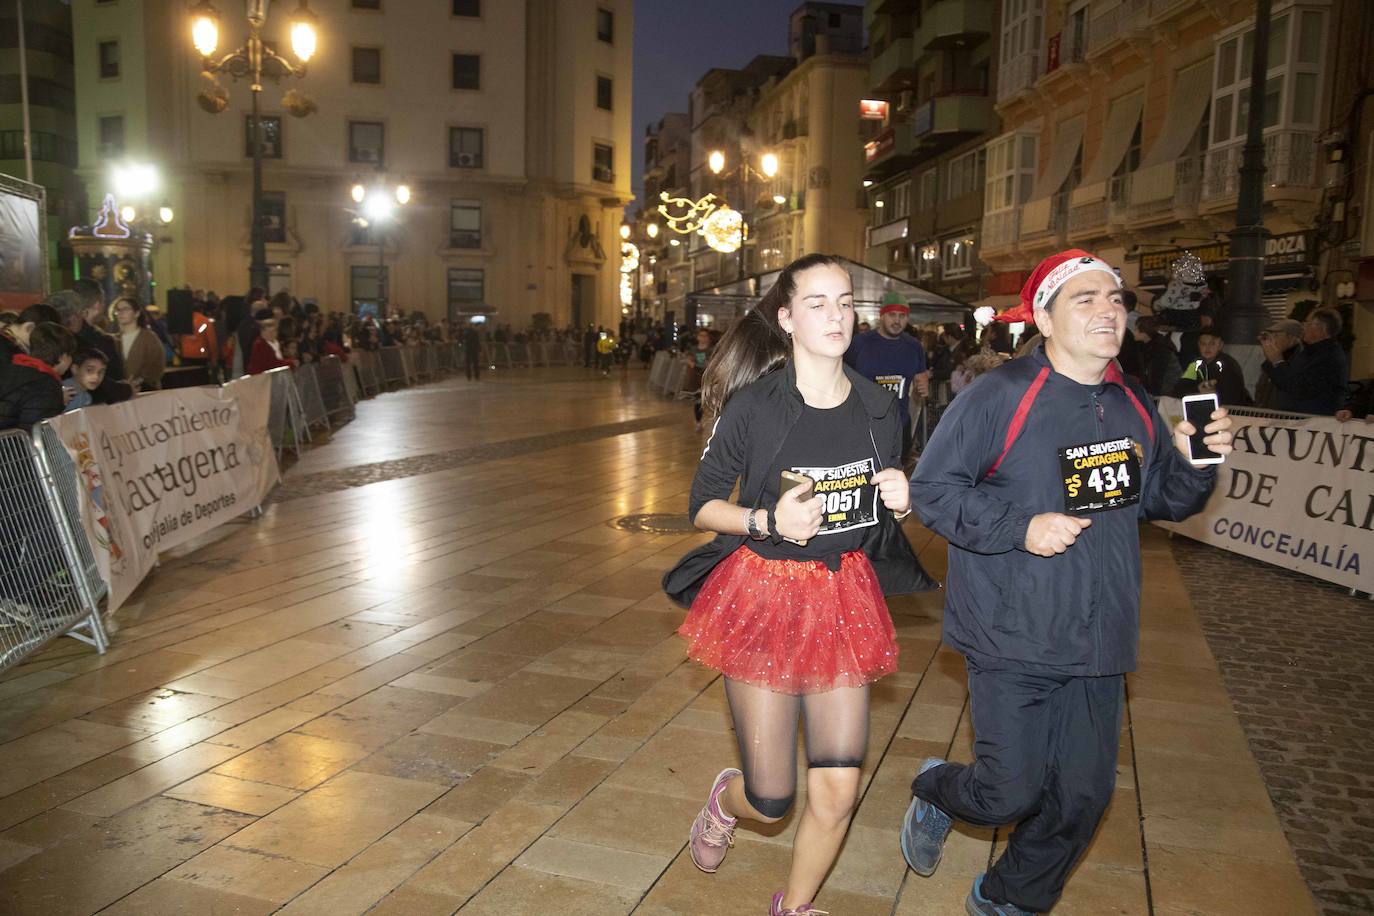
x: 1038, y: 476
x: 894, y: 359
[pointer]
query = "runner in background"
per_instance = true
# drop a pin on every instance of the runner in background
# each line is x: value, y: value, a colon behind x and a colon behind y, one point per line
x: 894, y: 359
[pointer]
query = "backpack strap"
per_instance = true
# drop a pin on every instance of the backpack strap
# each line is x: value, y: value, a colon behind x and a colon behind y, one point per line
x: 1018, y: 420
x: 1115, y: 376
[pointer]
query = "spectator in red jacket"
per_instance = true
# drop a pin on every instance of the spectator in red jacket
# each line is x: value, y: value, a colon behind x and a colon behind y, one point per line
x: 267, y: 352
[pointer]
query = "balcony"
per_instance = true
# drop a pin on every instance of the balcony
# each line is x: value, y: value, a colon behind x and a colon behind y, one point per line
x: 1290, y: 161
x: 1166, y: 192
x: 894, y: 66
x: 1045, y: 219
x: 892, y: 150
x: 1019, y: 73
x: 1126, y: 20
x: 888, y: 232
x: 47, y: 147
x: 1097, y: 211
x: 950, y: 117
x: 953, y: 25
x: 1001, y: 229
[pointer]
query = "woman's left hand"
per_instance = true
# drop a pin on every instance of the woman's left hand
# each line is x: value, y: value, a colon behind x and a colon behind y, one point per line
x: 894, y: 489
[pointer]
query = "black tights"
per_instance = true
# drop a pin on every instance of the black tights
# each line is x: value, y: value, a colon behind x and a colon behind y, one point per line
x: 766, y: 728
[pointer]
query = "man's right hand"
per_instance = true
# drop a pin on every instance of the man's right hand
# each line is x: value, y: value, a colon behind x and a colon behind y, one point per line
x: 796, y: 518
x: 1050, y: 533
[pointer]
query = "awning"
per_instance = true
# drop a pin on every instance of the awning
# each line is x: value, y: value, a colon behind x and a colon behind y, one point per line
x: 732, y: 300
x: 1122, y: 117
x: 1068, y: 137
x: 1188, y: 99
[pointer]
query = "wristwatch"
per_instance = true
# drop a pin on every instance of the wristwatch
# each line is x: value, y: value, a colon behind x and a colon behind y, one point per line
x: 752, y: 523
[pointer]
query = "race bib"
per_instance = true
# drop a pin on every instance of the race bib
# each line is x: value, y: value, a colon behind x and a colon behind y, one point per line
x: 1099, y: 476
x: 851, y: 501
x: 894, y: 383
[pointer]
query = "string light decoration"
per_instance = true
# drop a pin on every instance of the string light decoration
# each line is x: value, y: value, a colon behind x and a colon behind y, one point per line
x: 629, y: 263
x: 690, y: 213
x: 724, y: 230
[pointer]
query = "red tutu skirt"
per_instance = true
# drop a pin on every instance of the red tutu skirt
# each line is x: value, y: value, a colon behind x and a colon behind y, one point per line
x: 792, y: 626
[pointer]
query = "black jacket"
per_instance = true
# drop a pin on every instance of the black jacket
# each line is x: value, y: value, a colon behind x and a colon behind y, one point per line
x: 1077, y: 613
x: 1314, y: 381
x: 1224, y: 371
x: 28, y: 396
x: 743, y: 445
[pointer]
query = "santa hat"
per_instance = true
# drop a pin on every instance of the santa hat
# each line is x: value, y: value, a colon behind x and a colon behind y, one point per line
x: 894, y: 302
x: 1048, y: 276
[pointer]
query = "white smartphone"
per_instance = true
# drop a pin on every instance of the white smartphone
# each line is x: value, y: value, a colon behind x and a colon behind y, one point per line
x: 1197, y: 410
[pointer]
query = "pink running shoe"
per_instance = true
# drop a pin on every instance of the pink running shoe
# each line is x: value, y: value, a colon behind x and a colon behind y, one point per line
x: 712, y: 832
x: 806, y: 909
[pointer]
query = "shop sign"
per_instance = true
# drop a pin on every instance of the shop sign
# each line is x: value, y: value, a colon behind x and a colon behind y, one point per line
x: 873, y: 110
x: 880, y: 146
x: 1281, y: 252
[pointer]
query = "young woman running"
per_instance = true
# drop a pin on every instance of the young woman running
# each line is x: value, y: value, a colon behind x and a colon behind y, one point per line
x: 792, y: 611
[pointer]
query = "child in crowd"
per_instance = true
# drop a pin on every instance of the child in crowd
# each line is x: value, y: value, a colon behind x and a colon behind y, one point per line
x: 88, y: 371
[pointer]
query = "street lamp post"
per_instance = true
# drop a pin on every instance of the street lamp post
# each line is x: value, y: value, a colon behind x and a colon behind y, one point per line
x: 768, y: 169
x: 252, y: 61
x: 377, y: 207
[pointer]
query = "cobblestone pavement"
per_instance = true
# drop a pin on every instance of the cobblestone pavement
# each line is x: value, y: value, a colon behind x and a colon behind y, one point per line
x: 1295, y: 657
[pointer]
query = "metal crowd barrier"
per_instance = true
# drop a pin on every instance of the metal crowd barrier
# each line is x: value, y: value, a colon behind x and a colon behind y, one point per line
x: 333, y: 377
x: 393, y: 366
x: 285, y: 413
x: 45, y: 563
x: 659, y: 369
x: 307, y: 381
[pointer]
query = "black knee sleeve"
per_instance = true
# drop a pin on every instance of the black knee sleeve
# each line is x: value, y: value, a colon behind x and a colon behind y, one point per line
x: 836, y: 763
x: 769, y: 807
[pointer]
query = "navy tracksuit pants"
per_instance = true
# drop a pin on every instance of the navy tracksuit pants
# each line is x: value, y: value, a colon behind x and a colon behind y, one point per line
x: 1045, y: 758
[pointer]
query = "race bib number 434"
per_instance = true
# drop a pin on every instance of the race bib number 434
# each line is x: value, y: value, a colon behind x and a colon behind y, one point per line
x: 1099, y: 476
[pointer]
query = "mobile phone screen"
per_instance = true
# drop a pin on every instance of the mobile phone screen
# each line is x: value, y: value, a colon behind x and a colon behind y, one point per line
x: 1199, y: 413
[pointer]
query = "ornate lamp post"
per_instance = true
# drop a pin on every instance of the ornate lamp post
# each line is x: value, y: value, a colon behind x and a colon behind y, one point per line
x: 253, y: 61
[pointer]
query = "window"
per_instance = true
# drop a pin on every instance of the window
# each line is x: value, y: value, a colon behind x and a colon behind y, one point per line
x: 469, y: 8
x: 465, y: 147
x: 1010, y: 165
x: 901, y: 202
x: 605, y: 25
x: 274, y: 217
x: 956, y: 257
x: 367, y: 4
x: 366, y: 142
x: 925, y: 199
x: 966, y: 174
x: 1020, y: 46
x: 367, y: 66
x: 109, y: 60
x: 603, y: 163
x: 466, y: 287
x: 271, y: 136
x: 604, y: 91
x: 1292, y: 86
x: 1075, y: 41
x: 465, y: 224
x: 111, y: 142
x: 467, y: 71
x: 367, y: 286
x: 926, y: 258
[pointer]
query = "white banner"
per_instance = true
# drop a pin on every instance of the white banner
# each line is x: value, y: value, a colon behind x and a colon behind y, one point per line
x: 1294, y: 493
x: 164, y: 468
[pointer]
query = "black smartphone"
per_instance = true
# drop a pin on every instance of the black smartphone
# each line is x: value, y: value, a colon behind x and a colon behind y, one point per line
x: 1197, y: 410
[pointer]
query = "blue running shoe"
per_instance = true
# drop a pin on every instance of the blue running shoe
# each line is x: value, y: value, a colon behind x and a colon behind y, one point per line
x: 978, y: 905
x: 924, y: 831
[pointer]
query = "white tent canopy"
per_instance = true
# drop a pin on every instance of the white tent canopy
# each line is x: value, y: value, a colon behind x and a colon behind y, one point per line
x: 729, y: 301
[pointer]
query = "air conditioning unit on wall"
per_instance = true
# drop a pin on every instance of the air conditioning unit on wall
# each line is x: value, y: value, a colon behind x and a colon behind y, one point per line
x: 468, y: 161
x: 601, y: 173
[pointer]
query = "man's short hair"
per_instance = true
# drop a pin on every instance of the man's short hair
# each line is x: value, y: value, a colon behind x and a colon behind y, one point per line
x: 38, y: 312
x: 952, y: 329
x: 50, y: 342
x: 1211, y: 330
x: 67, y: 303
x: 89, y: 291
x: 1329, y: 317
x: 1148, y: 325
x: 90, y: 353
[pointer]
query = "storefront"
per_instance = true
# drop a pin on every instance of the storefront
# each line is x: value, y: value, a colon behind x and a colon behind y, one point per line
x: 1289, y: 269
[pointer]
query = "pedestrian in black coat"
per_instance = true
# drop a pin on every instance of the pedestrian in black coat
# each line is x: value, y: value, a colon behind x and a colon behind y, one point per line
x: 1315, y: 379
x: 31, y: 389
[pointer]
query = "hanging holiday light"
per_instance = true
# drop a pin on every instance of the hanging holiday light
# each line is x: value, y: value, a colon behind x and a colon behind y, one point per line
x: 724, y: 230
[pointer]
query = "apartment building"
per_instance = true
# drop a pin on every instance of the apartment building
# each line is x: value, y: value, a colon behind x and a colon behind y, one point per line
x: 508, y: 119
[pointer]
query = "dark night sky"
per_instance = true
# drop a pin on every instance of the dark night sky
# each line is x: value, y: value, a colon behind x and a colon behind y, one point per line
x: 676, y: 41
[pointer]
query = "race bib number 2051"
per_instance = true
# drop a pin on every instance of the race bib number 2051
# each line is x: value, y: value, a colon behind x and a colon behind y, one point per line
x: 1100, y: 475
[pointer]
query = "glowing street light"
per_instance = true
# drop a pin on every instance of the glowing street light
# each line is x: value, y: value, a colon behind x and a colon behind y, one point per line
x: 769, y: 164
x: 304, y: 37
x: 402, y: 194
x: 652, y: 229
x: 205, y: 28
x: 358, y: 192
x: 624, y: 230
x: 716, y: 161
